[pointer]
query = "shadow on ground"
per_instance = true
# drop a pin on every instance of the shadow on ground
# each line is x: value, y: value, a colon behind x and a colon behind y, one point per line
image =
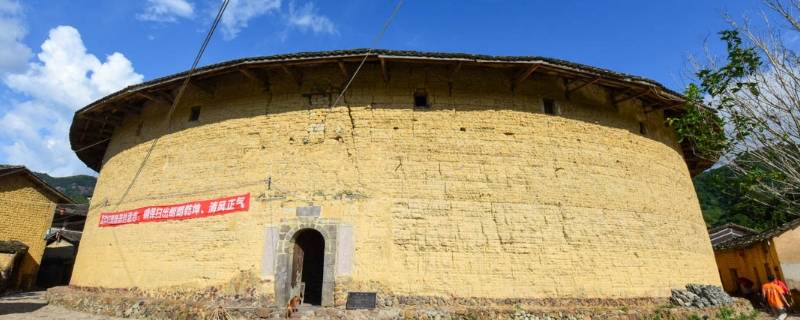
x: 19, y: 307
x: 22, y: 302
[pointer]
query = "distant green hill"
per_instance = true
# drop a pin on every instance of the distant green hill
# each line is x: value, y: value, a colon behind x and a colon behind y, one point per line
x: 79, y: 187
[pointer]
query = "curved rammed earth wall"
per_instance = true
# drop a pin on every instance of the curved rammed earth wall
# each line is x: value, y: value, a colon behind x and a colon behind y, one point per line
x: 483, y: 195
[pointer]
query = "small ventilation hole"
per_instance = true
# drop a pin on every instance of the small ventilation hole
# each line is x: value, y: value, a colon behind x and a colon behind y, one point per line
x: 421, y: 99
x: 549, y: 106
x: 194, y: 115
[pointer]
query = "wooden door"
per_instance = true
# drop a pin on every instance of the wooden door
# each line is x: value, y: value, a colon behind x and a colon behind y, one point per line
x: 297, y: 265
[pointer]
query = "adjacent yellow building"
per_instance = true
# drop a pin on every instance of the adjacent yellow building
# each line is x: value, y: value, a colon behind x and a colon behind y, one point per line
x: 27, y: 206
x: 749, y: 257
x: 475, y: 178
x: 786, y: 240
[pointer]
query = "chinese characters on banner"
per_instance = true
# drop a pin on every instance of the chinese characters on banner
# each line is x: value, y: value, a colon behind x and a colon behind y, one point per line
x: 188, y: 210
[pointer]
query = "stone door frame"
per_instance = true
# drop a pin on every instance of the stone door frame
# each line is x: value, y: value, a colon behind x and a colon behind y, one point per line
x: 288, y: 233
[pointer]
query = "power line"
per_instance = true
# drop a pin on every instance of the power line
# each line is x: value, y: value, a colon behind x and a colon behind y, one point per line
x: 188, y: 75
x: 177, y: 98
x: 174, y: 105
x: 372, y: 46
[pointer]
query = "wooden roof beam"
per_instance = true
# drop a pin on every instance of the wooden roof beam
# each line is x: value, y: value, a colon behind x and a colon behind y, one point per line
x: 634, y: 96
x: 580, y: 86
x: 343, y: 69
x: 202, y: 87
x: 106, y: 131
x: 99, y: 136
x: 85, y: 128
x: 456, y: 68
x: 524, y: 75
x: 128, y: 109
x: 258, y: 78
x: 154, y: 98
x: 297, y: 78
x: 166, y: 95
x: 108, y: 119
x: 384, y: 70
x: 665, y: 106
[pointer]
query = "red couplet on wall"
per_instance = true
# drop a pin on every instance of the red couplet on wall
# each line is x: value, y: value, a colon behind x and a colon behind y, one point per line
x: 188, y: 210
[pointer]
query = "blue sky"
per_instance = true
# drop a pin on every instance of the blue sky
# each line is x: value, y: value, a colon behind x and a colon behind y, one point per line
x: 56, y: 56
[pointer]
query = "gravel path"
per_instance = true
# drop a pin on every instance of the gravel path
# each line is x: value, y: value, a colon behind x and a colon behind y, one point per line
x: 32, y: 305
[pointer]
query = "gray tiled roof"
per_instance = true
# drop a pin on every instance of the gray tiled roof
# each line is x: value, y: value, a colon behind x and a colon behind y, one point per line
x: 748, y: 241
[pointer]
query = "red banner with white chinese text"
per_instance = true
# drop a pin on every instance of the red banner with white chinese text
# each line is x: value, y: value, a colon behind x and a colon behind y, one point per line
x: 188, y: 210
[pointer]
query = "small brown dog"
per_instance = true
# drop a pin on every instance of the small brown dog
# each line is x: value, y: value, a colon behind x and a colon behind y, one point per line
x: 291, y: 307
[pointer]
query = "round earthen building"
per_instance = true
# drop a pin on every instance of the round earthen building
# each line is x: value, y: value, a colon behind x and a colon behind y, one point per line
x: 434, y: 175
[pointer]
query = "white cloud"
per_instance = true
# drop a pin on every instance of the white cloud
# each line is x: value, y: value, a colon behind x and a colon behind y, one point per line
x: 64, y: 78
x: 240, y: 12
x: 37, y: 136
x: 167, y: 10
x: 13, y: 53
x: 306, y: 18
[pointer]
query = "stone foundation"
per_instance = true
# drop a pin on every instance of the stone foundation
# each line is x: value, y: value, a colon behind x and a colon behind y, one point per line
x: 211, y: 304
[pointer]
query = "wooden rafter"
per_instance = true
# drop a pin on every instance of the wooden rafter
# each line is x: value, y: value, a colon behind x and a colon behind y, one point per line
x: 343, y: 69
x: 127, y: 108
x: 167, y: 96
x: 256, y: 77
x: 297, y: 78
x: 384, y: 70
x: 96, y: 136
x: 154, y: 98
x: 634, y: 96
x: 103, y: 119
x: 583, y: 84
x: 665, y: 106
x: 524, y: 75
x: 85, y: 129
x: 452, y: 74
x: 202, y: 87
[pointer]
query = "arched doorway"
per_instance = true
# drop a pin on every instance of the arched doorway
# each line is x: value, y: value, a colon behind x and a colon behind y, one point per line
x: 308, y: 260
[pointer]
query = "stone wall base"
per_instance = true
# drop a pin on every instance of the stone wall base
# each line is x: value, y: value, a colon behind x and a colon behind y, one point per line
x: 133, y: 303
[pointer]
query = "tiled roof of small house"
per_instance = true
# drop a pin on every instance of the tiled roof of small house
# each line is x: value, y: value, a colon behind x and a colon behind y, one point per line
x: 6, y: 170
x: 728, y: 232
x: 748, y: 241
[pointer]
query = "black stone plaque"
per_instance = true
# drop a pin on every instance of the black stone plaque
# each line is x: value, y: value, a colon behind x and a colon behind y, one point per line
x: 361, y: 300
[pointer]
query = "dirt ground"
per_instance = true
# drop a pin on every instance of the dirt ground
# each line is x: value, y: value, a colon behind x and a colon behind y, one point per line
x: 32, y: 305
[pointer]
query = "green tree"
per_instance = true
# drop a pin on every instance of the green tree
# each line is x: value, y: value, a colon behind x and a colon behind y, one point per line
x: 745, y: 109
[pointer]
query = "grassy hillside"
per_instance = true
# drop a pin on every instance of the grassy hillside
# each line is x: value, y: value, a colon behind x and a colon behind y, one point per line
x: 724, y: 197
x: 79, y: 187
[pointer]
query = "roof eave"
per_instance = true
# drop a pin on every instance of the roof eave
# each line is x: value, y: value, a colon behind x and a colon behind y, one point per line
x: 91, y: 153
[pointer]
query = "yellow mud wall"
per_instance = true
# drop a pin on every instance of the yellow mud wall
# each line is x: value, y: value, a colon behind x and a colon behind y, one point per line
x: 25, y: 215
x: 481, y: 195
x: 754, y: 263
x: 788, y: 251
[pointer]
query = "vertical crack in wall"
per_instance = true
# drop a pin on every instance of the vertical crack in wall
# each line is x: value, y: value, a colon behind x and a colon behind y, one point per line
x: 563, y: 223
x: 497, y: 227
x: 354, y: 154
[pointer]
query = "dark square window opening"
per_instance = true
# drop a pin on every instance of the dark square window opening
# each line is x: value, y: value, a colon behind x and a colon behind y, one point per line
x: 421, y: 99
x: 194, y: 115
x: 549, y: 106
